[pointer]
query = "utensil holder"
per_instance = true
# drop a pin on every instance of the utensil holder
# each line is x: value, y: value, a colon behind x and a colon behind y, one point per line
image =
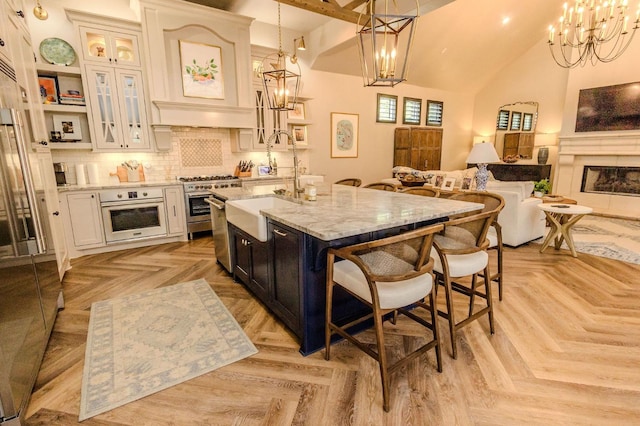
x: 133, y: 175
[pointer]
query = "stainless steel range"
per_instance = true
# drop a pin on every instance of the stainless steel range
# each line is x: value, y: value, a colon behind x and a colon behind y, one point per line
x: 196, y: 191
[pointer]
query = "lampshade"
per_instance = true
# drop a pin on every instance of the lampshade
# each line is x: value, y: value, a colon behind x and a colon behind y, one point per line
x: 483, y: 153
x: 481, y: 139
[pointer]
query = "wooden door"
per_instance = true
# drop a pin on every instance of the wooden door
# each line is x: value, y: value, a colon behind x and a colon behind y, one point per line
x: 402, y: 147
x: 426, y: 147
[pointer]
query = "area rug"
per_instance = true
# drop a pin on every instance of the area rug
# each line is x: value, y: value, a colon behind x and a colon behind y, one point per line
x: 140, y: 344
x: 608, y: 237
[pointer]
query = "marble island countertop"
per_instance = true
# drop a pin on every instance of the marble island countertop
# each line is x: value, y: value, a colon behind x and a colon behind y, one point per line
x: 343, y: 211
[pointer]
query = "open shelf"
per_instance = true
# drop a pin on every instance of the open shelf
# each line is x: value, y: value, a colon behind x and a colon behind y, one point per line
x: 70, y: 145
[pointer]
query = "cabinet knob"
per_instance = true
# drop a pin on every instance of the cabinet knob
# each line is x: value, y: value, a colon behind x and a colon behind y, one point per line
x: 56, y: 213
x: 93, y: 196
x: 45, y: 143
x: 1, y: 42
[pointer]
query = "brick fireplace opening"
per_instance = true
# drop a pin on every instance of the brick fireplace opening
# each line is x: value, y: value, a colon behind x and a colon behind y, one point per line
x: 611, y: 180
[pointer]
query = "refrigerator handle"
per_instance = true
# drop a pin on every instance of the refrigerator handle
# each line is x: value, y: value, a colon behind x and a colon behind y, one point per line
x: 34, y: 206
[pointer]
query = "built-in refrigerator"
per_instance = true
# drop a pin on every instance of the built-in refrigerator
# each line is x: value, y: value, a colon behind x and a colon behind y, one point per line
x: 30, y: 289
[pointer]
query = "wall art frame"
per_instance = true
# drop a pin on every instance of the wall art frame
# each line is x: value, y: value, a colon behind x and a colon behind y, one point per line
x: 49, y: 90
x: 298, y: 112
x: 68, y: 126
x: 201, y: 70
x: 344, y: 135
x: 299, y: 133
x: 448, y: 184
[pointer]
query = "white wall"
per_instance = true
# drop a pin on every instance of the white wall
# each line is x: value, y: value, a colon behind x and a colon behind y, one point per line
x: 532, y: 77
x: 346, y: 94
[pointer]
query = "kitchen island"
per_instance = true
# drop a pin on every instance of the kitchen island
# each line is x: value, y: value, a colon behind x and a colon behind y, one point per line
x: 288, y: 271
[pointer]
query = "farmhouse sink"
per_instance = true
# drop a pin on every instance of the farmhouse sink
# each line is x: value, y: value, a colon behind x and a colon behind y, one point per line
x: 246, y: 214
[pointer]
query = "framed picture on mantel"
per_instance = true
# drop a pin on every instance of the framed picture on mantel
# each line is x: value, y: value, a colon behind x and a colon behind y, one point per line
x: 344, y: 135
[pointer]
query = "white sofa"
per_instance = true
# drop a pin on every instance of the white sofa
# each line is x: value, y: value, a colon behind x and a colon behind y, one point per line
x: 521, y: 219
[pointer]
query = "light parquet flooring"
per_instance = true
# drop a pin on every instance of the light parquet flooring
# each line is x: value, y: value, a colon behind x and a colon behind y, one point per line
x: 566, y: 352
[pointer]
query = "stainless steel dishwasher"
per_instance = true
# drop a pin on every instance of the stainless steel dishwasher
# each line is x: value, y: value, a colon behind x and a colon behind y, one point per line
x: 220, y: 232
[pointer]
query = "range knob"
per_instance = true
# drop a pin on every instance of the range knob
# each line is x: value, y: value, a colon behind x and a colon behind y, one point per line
x: 144, y: 194
x: 119, y: 195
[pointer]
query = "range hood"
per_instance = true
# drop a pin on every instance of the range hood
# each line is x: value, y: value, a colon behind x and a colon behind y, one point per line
x: 178, y: 37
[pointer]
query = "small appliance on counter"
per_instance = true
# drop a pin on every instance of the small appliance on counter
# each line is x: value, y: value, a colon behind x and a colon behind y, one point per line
x: 60, y: 170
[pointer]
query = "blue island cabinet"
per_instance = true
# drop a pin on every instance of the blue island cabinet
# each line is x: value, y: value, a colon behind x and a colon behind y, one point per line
x: 295, y: 289
x: 299, y: 266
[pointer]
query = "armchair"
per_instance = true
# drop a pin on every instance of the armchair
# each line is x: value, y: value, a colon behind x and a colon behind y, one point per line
x: 521, y: 220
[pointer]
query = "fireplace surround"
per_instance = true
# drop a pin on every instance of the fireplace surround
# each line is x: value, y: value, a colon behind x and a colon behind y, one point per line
x: 577, y: 153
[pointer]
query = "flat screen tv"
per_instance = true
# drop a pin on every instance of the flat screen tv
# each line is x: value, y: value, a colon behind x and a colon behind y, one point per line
x: 609, y: 108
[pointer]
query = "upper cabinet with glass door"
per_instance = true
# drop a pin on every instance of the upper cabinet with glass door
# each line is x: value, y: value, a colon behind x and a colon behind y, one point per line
x: 115, y: 48
x: 117, y: 100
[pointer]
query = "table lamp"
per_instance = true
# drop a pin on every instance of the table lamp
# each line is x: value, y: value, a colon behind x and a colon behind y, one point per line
x: 481, y: 154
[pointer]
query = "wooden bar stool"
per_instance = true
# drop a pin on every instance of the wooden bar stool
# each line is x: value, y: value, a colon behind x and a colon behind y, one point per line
x: 391, y: 275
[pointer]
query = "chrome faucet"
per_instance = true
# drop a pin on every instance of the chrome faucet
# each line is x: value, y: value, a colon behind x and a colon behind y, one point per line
x: 296, y: 183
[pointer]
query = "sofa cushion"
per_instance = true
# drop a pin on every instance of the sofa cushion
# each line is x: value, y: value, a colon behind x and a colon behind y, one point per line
x: 523, y: 188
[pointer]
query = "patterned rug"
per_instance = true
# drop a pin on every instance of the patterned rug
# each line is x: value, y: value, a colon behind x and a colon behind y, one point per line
x: 140, y: 344
x: 606, y: 237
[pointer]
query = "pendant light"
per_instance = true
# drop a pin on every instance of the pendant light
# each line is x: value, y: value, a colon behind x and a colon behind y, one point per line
x: 282, y: 79
x: 384, y: 44
x: 39, y: 11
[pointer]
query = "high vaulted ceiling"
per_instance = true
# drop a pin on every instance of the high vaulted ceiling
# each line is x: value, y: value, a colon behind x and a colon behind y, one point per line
x: 459, y: 44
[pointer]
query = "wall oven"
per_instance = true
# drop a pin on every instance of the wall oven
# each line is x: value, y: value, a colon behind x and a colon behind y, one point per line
x: 133, y: 214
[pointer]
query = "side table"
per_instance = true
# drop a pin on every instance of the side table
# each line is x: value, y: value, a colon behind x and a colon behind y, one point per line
x: 562, y: 217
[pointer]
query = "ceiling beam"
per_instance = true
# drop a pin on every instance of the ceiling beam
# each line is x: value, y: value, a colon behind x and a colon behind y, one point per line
x: 329, y: 8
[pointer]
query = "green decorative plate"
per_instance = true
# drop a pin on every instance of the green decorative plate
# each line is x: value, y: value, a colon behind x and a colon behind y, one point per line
x: 57, y: 51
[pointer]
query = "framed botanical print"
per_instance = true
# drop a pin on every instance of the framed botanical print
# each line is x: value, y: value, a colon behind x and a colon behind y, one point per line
x: 344, y: 135
x: 201, y: 70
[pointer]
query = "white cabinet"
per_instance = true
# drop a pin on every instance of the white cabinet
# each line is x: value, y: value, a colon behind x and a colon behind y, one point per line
x: 267, y: 122
x: 5, y: 50
x: 114, y: 80
x: 50, y: 208
x: 113, y: 47
x: 174, y: 202
x: 116, y: 99
x: 68, y: 80
x: 84, y: 220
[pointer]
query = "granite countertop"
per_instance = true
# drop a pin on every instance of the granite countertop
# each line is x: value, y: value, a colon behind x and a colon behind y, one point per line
x: 116, y: 185
x: 342, y: 211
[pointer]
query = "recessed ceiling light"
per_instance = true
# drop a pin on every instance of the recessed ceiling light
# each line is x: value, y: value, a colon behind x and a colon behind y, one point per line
x: 505, y: 20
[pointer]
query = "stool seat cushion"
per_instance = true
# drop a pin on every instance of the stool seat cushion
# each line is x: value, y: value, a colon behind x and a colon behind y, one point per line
x: 391, y: 295
x: 461, y: 265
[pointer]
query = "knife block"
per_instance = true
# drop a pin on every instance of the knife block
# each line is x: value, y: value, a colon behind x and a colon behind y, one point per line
x: 238, y: 173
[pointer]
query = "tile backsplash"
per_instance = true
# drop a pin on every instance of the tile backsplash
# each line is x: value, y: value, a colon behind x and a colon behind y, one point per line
x: 195, y: 151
